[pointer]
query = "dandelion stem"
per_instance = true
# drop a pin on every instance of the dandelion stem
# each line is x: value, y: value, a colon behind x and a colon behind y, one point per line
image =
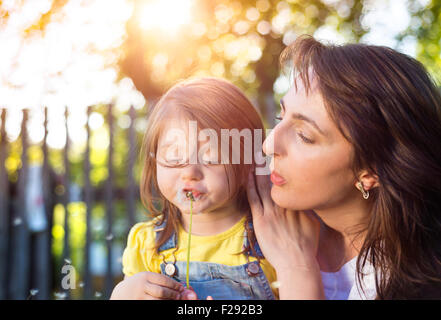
x: 189, y: 195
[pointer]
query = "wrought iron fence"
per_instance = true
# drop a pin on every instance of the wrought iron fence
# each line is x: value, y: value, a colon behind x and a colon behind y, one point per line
x: 30, y: 267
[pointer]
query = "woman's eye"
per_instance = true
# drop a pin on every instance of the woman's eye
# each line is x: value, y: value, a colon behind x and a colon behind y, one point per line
x: 304, y: 138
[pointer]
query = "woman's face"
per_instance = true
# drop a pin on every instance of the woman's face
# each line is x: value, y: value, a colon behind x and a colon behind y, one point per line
x: 311, y: 165
x: 208, y: 182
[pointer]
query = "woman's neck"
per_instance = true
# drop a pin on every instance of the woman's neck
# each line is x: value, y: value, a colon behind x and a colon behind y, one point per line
x: 213, y: 222
x: 342, y: 233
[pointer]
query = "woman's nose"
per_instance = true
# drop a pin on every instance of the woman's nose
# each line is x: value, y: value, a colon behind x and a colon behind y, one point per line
x: 271, y: 145
x: 191, y: 172
x: 268, y: 145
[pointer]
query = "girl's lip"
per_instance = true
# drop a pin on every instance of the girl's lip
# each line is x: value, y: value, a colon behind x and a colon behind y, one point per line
x: 196, y: 193
x: 277, y: 179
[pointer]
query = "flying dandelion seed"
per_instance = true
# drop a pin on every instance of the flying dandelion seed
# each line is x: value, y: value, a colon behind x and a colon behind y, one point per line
x: 275, y: 284
x: 109, y: 237
x: 98, y: 294
x: 68, y: 261
x: 60, y: 295
x: 17, y: 222
x: 81, y: 284
x: 32, y: 293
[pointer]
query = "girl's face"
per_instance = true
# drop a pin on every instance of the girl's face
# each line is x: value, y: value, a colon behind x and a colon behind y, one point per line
x: 311, y: 165
x: 208, y: 182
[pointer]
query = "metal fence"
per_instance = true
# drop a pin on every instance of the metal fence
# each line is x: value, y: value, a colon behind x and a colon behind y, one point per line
x: 29, y: 269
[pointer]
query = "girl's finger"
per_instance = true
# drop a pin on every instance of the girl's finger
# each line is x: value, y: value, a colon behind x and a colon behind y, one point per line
x: 253, y: 197
x: 188, y: 295
x: 164, y: 281
x: 161, y: 292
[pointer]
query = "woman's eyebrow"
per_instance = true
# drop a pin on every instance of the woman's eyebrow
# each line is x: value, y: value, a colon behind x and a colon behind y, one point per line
x: 300, y: 116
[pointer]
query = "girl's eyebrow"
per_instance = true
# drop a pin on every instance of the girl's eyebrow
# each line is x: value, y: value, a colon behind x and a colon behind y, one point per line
x: 166, y: 144
x: 300, y: 116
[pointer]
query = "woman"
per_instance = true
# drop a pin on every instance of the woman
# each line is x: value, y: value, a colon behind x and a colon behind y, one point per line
x: 357, y: 165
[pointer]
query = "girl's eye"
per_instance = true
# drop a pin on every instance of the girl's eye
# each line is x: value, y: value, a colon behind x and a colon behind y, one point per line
x: 171, y: 161
x: 207, y: 160
x: 174, y: 161
x: 278, y: 118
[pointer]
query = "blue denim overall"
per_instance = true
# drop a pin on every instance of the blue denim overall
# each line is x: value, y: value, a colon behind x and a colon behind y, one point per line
x: 220, y: 281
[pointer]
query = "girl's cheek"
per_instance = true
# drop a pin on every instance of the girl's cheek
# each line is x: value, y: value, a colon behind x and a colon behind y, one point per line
x: 218, y: 180
x: 165, y: 181
x: 163, y: 189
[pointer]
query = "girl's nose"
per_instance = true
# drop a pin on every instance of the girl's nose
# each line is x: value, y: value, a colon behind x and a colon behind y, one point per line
x: 191, y: 172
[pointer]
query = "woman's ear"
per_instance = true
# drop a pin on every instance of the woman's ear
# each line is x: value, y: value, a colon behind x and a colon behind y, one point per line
x: 369, y: 180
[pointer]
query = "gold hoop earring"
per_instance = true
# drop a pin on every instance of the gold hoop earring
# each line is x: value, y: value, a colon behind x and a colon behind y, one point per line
x: 364, y: 192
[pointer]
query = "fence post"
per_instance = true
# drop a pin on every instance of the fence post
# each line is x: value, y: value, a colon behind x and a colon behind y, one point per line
x: 109, y: 210
x: 42, y: 273
x: 131, y: 183
x: 19, y: 277
x: 4, y: 212
x: 66, y: 198
x: 88, y: 198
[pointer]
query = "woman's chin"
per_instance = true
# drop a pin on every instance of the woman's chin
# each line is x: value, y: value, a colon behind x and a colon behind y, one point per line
x: 282, y: 198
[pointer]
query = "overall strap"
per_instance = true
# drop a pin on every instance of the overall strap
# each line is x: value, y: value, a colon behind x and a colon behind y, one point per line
x: 256, y: 245
x: 170, y: 243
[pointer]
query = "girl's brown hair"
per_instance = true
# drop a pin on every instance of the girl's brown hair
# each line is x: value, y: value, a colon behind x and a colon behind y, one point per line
x: 388, y: 107
x: 215, y: 104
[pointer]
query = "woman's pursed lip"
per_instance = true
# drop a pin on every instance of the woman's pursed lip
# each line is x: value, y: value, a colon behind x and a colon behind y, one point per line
x: 277, y: 179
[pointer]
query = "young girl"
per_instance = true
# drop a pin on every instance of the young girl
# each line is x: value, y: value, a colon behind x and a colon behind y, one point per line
x: 184, y: 153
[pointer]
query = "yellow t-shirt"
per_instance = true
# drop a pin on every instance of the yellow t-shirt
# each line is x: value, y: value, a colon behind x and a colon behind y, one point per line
x: 222, y: 248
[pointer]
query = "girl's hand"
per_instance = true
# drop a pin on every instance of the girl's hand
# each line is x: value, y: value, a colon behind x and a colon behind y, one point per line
x: 288, y: 240
x: 147, y: 286
x: 189, y: 294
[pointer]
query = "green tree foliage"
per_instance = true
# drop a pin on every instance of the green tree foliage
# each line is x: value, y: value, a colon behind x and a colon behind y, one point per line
x: 425, y: 27
x: 238, y: 40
